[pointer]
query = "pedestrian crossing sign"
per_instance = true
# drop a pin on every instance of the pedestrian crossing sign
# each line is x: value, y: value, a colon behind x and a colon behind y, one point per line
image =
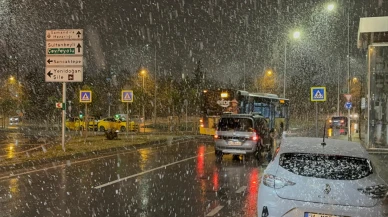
x: 126, y: 96
x: 318, y: 94
x: 85, y: 96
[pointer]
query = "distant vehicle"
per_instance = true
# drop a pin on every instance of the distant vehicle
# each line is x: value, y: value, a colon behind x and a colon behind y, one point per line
x: 338, y: 122
x: 75, y: 123
x: 111, y: 123
x: 216, y: 102
x: 306, y: 178
x: 241, y: 134
x: 14, y: 120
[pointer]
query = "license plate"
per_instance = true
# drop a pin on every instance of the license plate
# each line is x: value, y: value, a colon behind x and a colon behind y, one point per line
x: 309, y: 214
x: 234, y: 143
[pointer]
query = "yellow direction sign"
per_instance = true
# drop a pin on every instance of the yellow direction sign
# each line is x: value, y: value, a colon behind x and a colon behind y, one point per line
x: 126, y: 96
x: 85, y: 96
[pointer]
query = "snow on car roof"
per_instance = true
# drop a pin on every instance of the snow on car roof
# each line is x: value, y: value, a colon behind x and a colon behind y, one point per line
x: 313, y: 145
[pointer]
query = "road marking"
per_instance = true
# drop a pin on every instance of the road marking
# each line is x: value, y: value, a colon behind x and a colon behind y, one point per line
x: 147, y: 171
x: 215, y: 211
x: 76, y: 162
x: 241, y: 189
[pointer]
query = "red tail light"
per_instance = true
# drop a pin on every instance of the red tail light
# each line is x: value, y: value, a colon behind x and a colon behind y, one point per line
x: 254, y: 136
x: 342, y: 121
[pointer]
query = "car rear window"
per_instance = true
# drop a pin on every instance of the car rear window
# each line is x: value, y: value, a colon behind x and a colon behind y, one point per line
x: 333, y: 167
x: 236, y: 124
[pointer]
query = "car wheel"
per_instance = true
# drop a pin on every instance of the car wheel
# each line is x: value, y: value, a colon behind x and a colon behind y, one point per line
x: 102, y: 129
x: 81, y: 128
x: 218, y: 155
x: 257, y: 153
x: 122, y: 129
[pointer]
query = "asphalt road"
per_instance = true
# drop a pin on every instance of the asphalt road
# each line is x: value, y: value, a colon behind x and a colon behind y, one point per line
x: 181, y: 179
x: 174, y: 180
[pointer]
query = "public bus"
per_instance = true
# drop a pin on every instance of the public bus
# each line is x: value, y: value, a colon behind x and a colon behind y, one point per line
x: 214, y: 103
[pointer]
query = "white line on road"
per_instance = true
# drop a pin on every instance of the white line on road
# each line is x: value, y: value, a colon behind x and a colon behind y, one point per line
x: 145, y: 172
x: 241, y: 189
x: 215, y: 211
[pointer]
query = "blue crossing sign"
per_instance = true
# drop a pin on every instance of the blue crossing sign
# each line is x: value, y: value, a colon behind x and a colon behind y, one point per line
x: 348, y: 105
x: 126, y: 96
x: 318, y: 94
x: 85, y: 96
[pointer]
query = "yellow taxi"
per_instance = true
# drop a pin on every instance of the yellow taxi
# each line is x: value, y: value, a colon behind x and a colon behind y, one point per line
x: 75, y: 123
x: 116, y: 124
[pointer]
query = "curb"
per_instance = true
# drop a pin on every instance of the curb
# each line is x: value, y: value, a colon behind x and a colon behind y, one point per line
x: 85, y: 155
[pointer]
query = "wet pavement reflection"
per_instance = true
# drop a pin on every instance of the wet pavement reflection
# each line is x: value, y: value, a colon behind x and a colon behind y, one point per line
x: 180, y: 179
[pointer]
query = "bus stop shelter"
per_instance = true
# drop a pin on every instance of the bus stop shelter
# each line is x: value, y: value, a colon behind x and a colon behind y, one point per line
x: 373, y: 39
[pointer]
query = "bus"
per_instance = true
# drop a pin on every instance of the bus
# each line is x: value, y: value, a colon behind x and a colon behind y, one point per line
x: 216, y: 102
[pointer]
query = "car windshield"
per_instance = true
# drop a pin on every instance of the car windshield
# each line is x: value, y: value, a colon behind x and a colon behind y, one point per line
x: 236, y: 124
x: 333, y: 167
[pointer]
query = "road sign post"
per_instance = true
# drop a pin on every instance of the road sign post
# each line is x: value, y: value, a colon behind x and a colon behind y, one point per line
x: 318, y: 94
x: 127, y: 96
x: 85, y: 96
x: 64, y: 50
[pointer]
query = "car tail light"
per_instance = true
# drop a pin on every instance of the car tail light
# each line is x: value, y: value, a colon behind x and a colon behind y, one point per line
x: 342, y: 121
x: 376, y: 191
x: 254, y: 136
x: 276, y: 182
x: 216, y: 136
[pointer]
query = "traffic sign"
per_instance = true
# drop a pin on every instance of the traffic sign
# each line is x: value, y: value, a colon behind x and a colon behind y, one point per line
x: 126, y: 96
x: 64, y: 74
x: 348, y: 97
x: 64, y: 61
x: 318, y: 94
x: 64, y: 47
x: 58, y: 105
x: 64, y: 34
x: 348, y: 105
x: 85, y: 96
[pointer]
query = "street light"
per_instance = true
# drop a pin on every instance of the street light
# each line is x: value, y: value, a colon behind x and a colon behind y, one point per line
x: 331, y: 7
x: 143, y: 73
x: 296, y: 35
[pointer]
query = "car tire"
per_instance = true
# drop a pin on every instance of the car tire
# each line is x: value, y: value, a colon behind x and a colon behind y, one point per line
x: 257, y: 153
x: 102, y: 129
x: 219, y: 155
x: 81, y: 128
x: 122, y: 129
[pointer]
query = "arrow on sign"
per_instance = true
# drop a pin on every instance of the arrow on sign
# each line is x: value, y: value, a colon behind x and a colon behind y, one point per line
x: 79, y: 48
x: 49, y: 73
x: 49, y: 61
x: 78, y: 33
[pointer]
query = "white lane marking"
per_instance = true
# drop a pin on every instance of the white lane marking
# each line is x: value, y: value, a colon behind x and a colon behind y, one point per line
x: 75, y: 162
x: 215, y: 211
x: 241, y: 189
x: 147, y: 171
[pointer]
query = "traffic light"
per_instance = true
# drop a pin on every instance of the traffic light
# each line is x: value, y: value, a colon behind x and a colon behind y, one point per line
x: 117, y: 116
x: 81, y: 115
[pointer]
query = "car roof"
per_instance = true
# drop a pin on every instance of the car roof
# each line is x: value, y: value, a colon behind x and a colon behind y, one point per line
x: 313, y: 145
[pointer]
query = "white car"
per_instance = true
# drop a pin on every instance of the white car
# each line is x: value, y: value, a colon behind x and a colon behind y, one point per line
x: 307, y: 178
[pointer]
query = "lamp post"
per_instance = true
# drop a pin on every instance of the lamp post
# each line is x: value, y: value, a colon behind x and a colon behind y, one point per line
x: 295, y: 35
x: 143, y: 73
x: 331, y: 7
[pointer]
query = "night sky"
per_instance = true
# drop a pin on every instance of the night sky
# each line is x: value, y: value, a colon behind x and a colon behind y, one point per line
x: 225, y: 35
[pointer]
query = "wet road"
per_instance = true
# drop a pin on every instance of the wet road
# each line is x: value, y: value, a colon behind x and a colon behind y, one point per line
x: 180, y: 179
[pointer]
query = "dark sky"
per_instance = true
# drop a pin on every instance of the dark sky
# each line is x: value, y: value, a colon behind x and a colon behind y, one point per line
x: 224, y: 34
